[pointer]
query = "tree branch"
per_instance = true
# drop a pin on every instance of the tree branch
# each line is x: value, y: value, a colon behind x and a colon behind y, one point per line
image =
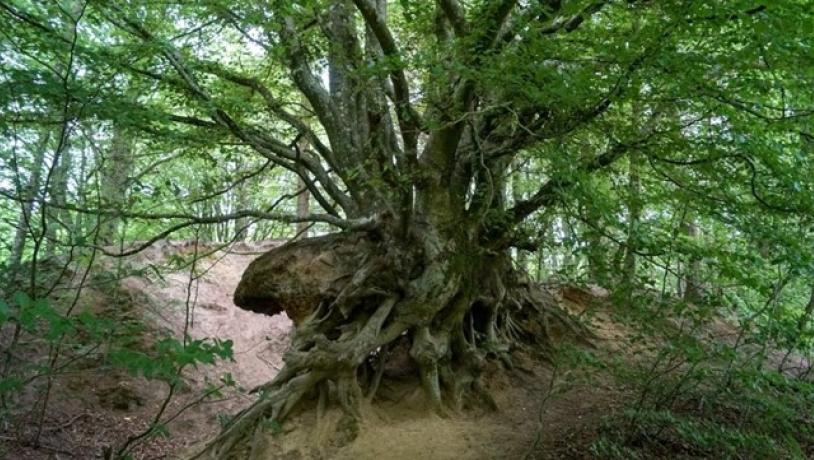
x: 271, y: 148
x: 549, y: 192
x: 407, y: 116
x: 453, y: 13
x: 573, y: 22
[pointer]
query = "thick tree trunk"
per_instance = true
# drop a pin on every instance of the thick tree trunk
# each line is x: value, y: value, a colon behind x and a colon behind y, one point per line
x: 433, y: 273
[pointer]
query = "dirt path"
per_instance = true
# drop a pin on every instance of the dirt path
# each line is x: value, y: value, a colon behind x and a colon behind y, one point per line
x: 533, y: 421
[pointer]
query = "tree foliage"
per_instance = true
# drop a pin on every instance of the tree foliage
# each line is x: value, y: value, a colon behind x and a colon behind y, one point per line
x: 451, y: 149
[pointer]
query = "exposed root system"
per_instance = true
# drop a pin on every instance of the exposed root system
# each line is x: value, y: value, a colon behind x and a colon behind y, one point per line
x: 357, y: 299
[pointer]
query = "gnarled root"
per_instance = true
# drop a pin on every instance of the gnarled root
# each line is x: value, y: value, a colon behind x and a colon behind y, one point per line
x: 452, y: 316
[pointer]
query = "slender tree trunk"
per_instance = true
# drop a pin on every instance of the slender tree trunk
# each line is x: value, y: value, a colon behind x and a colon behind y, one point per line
x: 241, y: 199
x: 568, y: 238
x: 517, y: 196
x: 693, y: 289
x: 634, y: 206
x: 29, y: 196
x: 114, y: 181
x: 596, y: 252
x: 303, y: 198
x: 59, y: 217
x: 802, y: 324
x: 81, y: 188
x: 805, y: 318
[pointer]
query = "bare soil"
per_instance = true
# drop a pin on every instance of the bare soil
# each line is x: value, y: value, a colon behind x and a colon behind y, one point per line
x: 534, y: 420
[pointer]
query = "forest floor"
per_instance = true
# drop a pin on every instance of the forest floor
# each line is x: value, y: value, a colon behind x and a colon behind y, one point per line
x: 538, y: 415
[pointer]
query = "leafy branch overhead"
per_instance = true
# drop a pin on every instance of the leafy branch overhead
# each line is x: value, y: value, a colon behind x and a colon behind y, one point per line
x: 494, y: 81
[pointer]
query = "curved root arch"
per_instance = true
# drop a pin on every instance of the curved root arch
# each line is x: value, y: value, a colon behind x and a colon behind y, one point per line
x: 372, y: 297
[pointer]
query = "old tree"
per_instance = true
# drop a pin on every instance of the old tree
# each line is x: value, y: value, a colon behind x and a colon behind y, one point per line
x: 405, y: 120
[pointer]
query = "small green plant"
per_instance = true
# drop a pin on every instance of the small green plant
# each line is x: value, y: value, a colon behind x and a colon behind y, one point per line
x: 273, y: 426
x: 224, y: 419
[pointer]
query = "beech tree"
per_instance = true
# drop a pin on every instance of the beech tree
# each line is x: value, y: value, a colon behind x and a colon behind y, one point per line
x: 402, y: 121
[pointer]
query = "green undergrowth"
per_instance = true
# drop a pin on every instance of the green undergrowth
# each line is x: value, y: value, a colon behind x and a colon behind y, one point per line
x: 757, y: 415
x: 64, y: 335
x: 689, y: 395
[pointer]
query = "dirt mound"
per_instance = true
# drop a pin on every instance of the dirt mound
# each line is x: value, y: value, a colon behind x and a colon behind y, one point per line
x: 161, y: 289
x: 537, y: 416
x: 259, y: 340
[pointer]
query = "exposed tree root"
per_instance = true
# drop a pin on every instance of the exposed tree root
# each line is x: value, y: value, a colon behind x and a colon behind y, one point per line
x: 456, y: 313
